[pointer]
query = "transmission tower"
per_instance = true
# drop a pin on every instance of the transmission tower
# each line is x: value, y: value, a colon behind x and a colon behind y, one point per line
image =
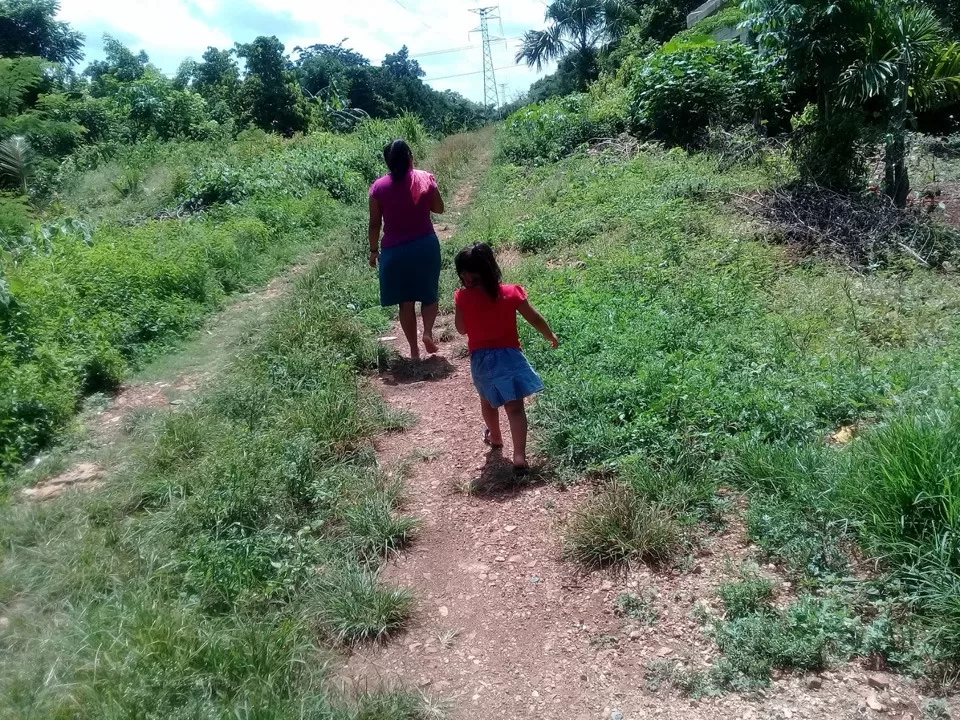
x: 503, y: 98
x: 490, y: 96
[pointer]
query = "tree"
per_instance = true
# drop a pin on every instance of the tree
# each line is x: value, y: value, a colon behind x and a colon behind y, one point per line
x: 909, y: 66
x: 890, y: 53
x: 28, y: 28
x: 120, y: 65
x: 400, y: 65
x: 270, y: 97
x: 580, y: 29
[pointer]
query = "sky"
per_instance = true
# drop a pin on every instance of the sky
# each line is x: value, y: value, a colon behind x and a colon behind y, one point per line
x: 171, y: 30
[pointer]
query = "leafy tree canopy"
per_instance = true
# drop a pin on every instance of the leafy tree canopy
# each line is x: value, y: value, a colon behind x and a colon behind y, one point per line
x: 28, y: 28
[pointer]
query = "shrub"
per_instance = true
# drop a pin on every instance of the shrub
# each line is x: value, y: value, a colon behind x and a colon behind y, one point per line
x: 553, y: 129
x: 833, y: 154
x: 747, y: 597
x: 685, y: 87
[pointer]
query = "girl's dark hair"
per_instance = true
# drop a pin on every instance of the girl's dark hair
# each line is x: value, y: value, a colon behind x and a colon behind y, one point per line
x: 399, y: 159
x: 479, y: 260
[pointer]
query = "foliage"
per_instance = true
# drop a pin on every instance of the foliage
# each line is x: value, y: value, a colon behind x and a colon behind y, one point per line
x: 82, y: 310
x: 270, y: 98
x: 29, y: 28
x: 213, y: 578
x: 750, y: 596
x: 684, y: 88
x: 577, y: 30
x: 550, y: 130
x: 17, y: 163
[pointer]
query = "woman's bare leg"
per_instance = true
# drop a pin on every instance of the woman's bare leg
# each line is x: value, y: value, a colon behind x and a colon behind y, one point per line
x: 491, y: 418
x: 429, y: 313
x: 408, y: 321
x: 517, y: 415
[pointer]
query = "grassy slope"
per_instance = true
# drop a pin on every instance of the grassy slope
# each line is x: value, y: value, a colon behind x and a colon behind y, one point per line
x: 240, y: 540
x: 695, y: 353
x: 83, y: 315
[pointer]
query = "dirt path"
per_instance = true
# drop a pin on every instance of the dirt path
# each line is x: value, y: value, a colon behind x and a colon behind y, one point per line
x: 507, y: 629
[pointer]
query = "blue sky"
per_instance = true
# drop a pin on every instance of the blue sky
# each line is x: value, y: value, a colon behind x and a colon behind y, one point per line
x: 171, y: 30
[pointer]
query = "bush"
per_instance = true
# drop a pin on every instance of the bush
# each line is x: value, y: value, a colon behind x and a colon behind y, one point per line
x: 686, y: 87
x: 833, y: 154
x: 551, y: 130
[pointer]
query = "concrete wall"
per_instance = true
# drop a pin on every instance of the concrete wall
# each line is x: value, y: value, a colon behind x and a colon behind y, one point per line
x: 705, y: 10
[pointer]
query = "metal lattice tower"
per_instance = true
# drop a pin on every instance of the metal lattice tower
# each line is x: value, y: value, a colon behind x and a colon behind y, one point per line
x: 490, y: 97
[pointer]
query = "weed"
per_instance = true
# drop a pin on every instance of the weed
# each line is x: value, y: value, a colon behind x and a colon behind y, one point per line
x: 936, y: 710
x: 750, y: 596
x: 618, y: 526
x: 637, y: 608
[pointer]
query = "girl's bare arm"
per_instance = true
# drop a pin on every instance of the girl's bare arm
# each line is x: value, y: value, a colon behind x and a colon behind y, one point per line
x: 539, y: 323
x: 458, y: 322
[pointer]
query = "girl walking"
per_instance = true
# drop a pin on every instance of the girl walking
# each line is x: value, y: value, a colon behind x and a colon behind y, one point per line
x: 486, y: 312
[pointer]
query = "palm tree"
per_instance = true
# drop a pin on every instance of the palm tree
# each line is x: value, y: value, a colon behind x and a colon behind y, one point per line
x: 910, y: 66
x: 580, y: 29
x: 17, y: 163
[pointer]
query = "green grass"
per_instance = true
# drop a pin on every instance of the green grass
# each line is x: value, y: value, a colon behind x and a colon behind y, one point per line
x: 687, y: 332
x: 240, y: 540
x: 141, y: 248
x: 237, y: 547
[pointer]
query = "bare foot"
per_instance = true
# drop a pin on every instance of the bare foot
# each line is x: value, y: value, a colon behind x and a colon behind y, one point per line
x: 520, y: 465
x: 494, y: 441
x: 430, y: 345
x: 415, y: 354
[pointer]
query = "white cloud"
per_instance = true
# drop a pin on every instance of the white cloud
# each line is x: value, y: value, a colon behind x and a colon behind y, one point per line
x: 158, y: 26
x: 170, y: 30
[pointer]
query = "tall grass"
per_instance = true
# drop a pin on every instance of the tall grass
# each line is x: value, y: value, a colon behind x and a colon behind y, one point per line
x: 241, y: 542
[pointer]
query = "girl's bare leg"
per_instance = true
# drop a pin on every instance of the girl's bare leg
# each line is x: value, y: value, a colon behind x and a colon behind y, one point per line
x: 408, y: 321
x: 429, y: 313
x: 491, y: 418
x: 517, y: 415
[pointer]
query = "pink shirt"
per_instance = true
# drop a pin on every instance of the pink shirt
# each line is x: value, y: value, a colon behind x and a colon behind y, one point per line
x: 405, y: 205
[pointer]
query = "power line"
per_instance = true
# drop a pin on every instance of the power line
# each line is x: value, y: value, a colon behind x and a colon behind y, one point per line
x: 459, y: 49
x: 413, y: 13
x: 475, y: 72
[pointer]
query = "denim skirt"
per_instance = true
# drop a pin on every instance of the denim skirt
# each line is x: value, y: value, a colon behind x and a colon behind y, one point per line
x: 504, y: 375
x: 411, y: 272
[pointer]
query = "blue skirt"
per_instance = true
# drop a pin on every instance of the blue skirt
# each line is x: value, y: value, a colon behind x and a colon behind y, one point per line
x: 502, y: 376
x: 411, y: 272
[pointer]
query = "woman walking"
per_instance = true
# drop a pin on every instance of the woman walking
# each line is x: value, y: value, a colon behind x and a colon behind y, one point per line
x: 400, y: 204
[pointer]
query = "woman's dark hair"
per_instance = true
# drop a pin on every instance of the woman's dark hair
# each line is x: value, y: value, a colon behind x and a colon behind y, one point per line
x: 399, y: 159
x: 479, y: 260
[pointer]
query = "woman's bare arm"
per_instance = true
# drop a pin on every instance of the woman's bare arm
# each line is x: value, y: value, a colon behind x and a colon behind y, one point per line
x: 376, y: 224
x: 539, y: 323
x: 437, y: 207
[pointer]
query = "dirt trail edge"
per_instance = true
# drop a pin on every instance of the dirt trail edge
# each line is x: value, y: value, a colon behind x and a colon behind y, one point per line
x: 505, y: 628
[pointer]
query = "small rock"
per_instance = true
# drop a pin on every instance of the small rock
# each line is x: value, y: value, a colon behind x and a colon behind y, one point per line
x: 636, y: 635
x: 874, y: 703
x: 814, y: 684
x: 616, y: 715
x: 444, y: 611
x: 665, y: 652
x: 878, y: 681
x: 607, y: 585
x: 4, y: 623
x: 510, y: 528
x: 514, y: 559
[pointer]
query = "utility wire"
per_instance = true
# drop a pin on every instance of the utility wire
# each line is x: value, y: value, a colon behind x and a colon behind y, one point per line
x: 476, y: 72
x: 413, y: 13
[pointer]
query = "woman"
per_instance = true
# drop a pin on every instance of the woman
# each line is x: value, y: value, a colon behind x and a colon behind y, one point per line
x: 401, y: 203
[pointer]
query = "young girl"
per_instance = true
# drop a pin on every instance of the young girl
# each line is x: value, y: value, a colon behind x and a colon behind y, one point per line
x: 487, y: 315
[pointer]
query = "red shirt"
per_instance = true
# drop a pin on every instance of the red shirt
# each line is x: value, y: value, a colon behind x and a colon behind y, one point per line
x: 491, y: 324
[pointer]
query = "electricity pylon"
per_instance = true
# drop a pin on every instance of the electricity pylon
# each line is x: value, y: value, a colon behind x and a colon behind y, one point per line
x: 490, y: 97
